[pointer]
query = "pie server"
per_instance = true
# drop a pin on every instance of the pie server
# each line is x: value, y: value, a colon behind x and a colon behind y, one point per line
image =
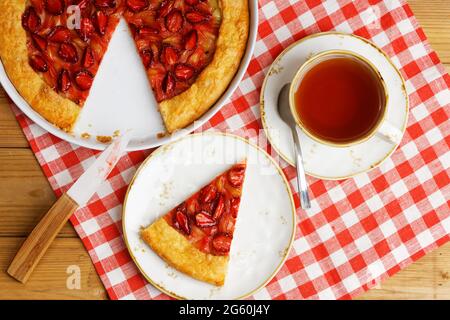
x: 77, y: 196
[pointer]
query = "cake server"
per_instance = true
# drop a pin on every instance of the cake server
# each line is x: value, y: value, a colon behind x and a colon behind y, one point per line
x: 77, y: 196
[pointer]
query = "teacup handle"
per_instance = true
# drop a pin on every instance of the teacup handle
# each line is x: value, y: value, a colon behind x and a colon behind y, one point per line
x: 389, y: 133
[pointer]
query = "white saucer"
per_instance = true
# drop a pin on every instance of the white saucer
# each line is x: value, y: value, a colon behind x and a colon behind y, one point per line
x: 265, y: 226
x: 322, y: 161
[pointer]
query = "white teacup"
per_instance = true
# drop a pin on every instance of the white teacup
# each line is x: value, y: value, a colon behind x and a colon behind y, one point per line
x: 382, y: 129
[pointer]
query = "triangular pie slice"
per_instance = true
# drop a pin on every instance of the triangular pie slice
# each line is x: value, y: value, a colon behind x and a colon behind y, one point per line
x: 191, y: 50
x: 195, y: 237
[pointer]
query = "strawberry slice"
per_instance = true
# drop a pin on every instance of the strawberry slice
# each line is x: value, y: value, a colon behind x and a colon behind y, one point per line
x: 196, y: 17
x: 31, y: 20
x: 174, y: 21
x: 226, y: 223
x: 236, y: 176
x: 105, y: 4
x: 82, y: 4
x: 169, y: 56
x: 221, y: 243
x: 88, y: 58
x: 183, y: 222
x: 64, y: 82
x: 38, y: 63
x: 59, y: 34
x: 146, y: 31
x: 86, y: 29
x: 38, y: 5
x: 147, y: 57
x: 83, y: 79
x: 234, y: 208
x: 100, y: 22
x: 219, y: 208
x: 165, y: 8
x: 68, y: 52
x: 184, y: 72
x: 137, y: 5
x: 208, y: 193
x: 191, y: 40
x: 192, y: 2
x: 39, y: 42
x: 204, y: 220
x: 54, y: 7
x: 192, y: 205
x: 168, y: 84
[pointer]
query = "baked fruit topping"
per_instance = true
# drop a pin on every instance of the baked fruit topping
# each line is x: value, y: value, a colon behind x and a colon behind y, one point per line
x: 208, y: 217
x: 195, y: 237
x: 175, y: 39
x: 67, y: 56
x: 181, y: 36
x: 190, y: 50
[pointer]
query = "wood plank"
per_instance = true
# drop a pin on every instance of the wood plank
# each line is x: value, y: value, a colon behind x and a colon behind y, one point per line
x: 11, y: 134
x: 427, y: 278
x: 49, y: 280
x: 25, y: 194
x: 433, y: 16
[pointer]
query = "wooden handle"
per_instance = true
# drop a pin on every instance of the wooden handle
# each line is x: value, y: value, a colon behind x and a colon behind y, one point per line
x: 40, y: 238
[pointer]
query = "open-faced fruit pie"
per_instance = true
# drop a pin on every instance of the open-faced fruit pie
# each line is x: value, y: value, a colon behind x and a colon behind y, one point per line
x: 190, y: 49
x: 195, y: 237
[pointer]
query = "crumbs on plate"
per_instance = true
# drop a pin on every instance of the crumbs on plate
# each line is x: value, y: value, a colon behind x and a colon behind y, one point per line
x: 104, y: 139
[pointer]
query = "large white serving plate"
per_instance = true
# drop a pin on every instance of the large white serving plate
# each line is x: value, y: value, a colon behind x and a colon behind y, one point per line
x: 264, y: 229
x: 121, y: 98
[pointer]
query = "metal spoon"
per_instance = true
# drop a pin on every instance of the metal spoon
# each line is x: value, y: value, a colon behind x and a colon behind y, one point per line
x: 286, y: 115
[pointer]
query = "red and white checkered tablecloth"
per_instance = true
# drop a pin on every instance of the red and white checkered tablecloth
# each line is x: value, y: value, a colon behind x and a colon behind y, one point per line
x: 360, y: 231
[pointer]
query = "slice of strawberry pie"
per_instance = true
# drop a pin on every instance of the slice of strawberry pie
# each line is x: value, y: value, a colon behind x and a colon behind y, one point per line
x: 195, y: 237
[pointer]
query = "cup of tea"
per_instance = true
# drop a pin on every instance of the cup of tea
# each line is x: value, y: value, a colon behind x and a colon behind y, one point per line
x: 339, y: 98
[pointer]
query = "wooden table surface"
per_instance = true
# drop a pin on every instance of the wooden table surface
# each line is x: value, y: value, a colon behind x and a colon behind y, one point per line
x: 25, y: 195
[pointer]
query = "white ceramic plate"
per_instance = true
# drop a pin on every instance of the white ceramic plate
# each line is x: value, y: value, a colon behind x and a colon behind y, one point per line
x: 265, y: 226
x: 320, y: 160
x: 121, y: 99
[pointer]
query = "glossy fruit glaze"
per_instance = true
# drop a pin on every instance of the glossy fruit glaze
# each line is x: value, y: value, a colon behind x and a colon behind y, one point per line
x: 207, y: 219
x: 175, y: 39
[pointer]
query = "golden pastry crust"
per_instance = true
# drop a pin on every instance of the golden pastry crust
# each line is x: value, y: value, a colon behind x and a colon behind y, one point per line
x: 180, y: 111
x: 177, y: 112
x: 14, y: 55
x: 176, y: 250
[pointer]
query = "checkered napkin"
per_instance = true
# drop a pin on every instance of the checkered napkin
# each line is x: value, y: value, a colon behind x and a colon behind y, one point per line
x: 359, y: 231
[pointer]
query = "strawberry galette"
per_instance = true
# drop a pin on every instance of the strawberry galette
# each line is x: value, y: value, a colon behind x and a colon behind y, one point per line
x: 190, y: 49
x: 195, y: 237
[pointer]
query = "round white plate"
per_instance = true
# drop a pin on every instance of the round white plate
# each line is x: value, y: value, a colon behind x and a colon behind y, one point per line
x: 265, y: 226
x: 320, y: 160
x: 121, y: 99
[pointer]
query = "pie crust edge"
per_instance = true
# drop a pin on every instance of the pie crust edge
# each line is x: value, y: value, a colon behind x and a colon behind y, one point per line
x: 183, y: 109
x: 177, y: 112
x: 178, y: 252
x: 39, y: 95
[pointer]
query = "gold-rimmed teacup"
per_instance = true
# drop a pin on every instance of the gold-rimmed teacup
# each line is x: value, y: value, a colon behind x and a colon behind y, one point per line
x: 382, y: 128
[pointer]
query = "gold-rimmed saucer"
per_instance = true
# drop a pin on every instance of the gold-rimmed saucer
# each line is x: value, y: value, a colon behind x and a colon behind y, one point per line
x: 320, y: 160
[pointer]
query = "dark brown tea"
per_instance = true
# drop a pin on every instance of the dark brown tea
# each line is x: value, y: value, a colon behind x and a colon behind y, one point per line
x: 340, y: 100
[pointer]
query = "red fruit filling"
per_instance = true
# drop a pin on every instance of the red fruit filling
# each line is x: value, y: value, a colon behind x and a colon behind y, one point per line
x: 181, y: 35
x: 68, y: 58
x: 207, y: 218
x: 176, y: 40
